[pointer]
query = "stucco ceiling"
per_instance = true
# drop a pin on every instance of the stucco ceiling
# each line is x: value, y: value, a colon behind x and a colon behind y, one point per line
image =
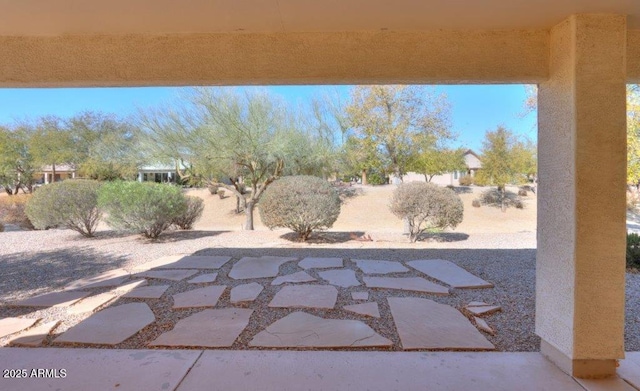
x: 53, y: 17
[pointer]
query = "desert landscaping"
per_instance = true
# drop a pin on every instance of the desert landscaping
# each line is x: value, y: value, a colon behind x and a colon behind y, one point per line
x: 495, y: 247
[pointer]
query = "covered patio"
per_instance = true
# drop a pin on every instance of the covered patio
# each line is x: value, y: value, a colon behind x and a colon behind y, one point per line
x: 580, y: 55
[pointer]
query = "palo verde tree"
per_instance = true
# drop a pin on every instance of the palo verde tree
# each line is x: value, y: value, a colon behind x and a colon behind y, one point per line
x: 246, y: 138
x: 431, y: 157
x: 385, y: 121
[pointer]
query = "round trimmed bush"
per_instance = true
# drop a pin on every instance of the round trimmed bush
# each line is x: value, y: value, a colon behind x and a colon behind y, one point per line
x: 145, y: 208
x: 426, y: 206
x: 195, y: 206
x: 300, y: 203
x: 72, y: 204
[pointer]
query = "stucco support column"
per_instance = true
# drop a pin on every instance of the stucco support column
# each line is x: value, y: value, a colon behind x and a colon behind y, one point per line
x: 580, y: 273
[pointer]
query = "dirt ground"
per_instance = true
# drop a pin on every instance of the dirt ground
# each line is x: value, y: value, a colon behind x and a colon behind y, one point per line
x: 368, y: 211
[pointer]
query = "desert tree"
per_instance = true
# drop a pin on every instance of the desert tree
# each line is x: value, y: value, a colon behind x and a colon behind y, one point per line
x: 387, y: 119
x: 16, y: 161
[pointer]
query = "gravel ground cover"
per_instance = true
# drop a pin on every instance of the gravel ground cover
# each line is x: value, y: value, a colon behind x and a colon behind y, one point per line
x: 34, y: 262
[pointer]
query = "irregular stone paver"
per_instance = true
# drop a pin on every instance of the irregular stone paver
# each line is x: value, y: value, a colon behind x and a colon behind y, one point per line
x: 379, y: 267
x: 360, y: 295
x: 310, y: 296
x: 477, y: 304
x: 484, y: 310
x: 110, y: 278
x: 294, y: 277
x: 89, y: 304
x: 367, y: 309
x: 203, y: 278
x: 128, y: 287
x: 13, y: 325
x: 417, y: 284
x: 147, y: 292
x: 201, y: 297
x: 35, y: 335
x: 172, y: 275
x: 54, y: 299
x: 342, y: 277
x: 196, y: 262
x: 483, y: 325
x: 320, y: 263
x: 449, y: 273
x: 209, y: 328
x: 246, y: 292
x: 250, y: 267
x: 425, y: 324
x: 300, y: 329
x: 110, y: 326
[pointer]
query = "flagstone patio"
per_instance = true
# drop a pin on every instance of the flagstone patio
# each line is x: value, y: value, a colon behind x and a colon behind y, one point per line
x: 265, y: 302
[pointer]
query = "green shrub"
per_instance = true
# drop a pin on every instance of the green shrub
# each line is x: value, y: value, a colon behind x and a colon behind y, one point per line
x: 633, y: 250
x: 375, y: 178
x: 72, y: 204
x: 300, y: 203
x: 466, y: 180
x: 195, y: 206
x: 145, y: 208
x: 426, y: 206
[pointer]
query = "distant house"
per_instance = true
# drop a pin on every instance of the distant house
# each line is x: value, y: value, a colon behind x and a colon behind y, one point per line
x: 472, y: 161
x: 158, y: 173
x: 62, y: 172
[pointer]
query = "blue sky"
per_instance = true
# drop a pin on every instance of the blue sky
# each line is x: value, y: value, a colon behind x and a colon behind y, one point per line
x: 475, y: 109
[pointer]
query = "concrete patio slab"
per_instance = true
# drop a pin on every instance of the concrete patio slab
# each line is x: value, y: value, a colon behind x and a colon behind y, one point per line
x: 99, y: 369
x: 360, y: 295
x: 344, y: 278
x: 204, y: 278
x: 320, y: 263
x: 614, y: 383
x: 147, y: 292
x: 262, y: 267
x: 379, y: 267
x: 53, y: 299
x: 245, y: 292
x: 109, y: 278
x: 196, y: 262
x: 300, y: 329
x: 375, y: 371
x: 110, y: 326
x: 35, y: 335
x: 201, y: 297
x: 171, y: 275
x: 293, y: 278
x: 89, y: 304
x: 366, y: 309
x: 425, y: 324
x: 417, y: 284
x: 13, y: 325
x: 209, y: 328
x: 305, y: 296
x: 629, y: 369
x: 449, y: 273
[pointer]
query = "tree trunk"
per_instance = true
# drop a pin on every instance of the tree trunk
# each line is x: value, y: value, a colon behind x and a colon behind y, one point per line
x: 364, y: 177
x: 502, y: 206
x: 248, y: 210
x: 53, y: 175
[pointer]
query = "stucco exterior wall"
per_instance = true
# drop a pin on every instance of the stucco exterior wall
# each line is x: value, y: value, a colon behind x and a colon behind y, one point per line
x: 633, y: 56
x: 581, y: 228
x: 275, y: 58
